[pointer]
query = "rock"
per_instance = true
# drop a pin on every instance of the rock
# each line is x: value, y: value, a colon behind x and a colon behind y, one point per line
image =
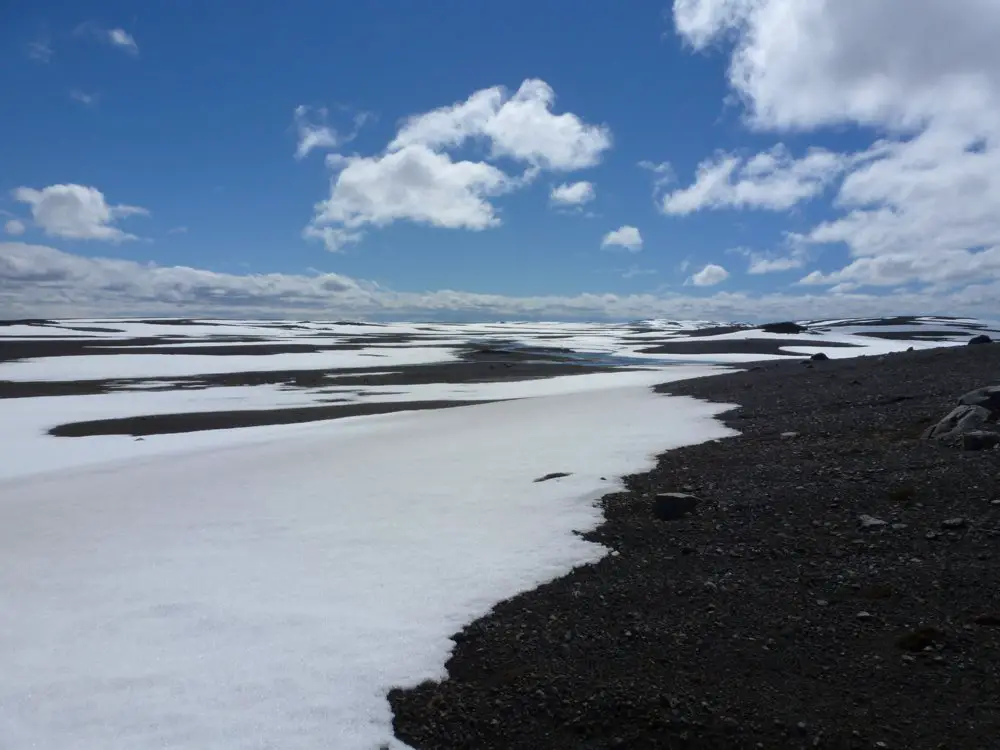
x: 988, y: 398
x: 868, y: 522
x: 980, y: 440
x: 990, y: 620
x: 784, y: 327
x: 981, y: 339
x: 819, y: 357
x: 961, y: 419
x: 788, y: 435
x: 919, y: 639
x: 865, y: 616
x: 669, y: 506
x: 553, y: 475
x: 953, y: 523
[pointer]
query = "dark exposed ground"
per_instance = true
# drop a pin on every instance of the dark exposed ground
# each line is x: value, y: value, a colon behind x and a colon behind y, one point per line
x: 770, y: 618
x: 165, y: 424
x: 475, y: 366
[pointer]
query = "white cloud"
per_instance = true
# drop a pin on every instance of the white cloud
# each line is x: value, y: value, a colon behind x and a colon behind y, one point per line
x: 823, y: 62
x: 710, y: 275
x: 414, y: 184
x: 76, y: 212
x: 415, y: 179
x: 626, y: 237
x: 83, y: 97
x: 39, y: 281
x: 40, y: 50
x: 572, y: 194
x: 773, y: 262
x: 116, y: 37
x: 14, y: 227
x: 920, y: 207
x: 771, y: 180
x: 313, y: 132
x: 123, y: 40
x: 634, y: 272
x: 521, y: 127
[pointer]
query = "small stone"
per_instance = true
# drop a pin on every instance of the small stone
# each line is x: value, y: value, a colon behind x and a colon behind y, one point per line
x: 953, y: 523
x: 919, y: 639
x: 822, y: 603
x: 864, y: 615
x: 819, y: 357
x: 931, y: 535
x: 553, y: 475
x: 868, y: 522
x: 788, y: 435
x: 990, y: 620
x: 899, y: 526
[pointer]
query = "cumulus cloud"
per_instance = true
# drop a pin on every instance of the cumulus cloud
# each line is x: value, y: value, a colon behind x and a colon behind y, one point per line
x: 521, y: 126
x: 413, y: 183
x: 76, y: 212
x: 417, y: 179
x: 572, y: 194
x: 14, y: 227
x: 626, y: 237
x: 919, y: 206
x: 40, y: 281
x: 710, y: 275
x: 771, y: 180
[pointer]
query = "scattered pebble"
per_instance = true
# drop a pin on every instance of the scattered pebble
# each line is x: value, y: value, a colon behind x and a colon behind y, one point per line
x: 868, y: 522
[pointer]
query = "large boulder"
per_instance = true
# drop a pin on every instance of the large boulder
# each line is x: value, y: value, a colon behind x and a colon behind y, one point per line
x: 974, y: 423
x: 982, y: 338
x: 988, y: 398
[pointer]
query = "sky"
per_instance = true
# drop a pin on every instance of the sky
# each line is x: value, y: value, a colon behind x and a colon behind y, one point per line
x: 694, y: 159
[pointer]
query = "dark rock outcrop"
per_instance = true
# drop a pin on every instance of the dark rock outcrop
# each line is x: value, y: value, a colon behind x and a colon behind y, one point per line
x: 783, y: 327
x: 982, y: 338
x: 974, y: 423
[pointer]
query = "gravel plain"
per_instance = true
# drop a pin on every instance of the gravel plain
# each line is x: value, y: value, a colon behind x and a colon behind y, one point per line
x: 836, y: 585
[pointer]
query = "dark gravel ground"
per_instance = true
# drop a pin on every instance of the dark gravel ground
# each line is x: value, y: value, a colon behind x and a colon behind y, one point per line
x: 769, y: 618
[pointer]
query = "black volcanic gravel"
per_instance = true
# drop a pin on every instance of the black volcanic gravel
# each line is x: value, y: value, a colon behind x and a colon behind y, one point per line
x: 769, y: 618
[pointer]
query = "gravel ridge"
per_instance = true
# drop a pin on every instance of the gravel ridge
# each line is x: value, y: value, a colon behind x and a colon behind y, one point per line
x: 774, y: 616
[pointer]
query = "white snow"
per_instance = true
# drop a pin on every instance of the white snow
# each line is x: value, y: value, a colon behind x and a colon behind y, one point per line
x: 269, y: 594
x: 121, y: 366
x: 25, y: 422
x: 265, y: 587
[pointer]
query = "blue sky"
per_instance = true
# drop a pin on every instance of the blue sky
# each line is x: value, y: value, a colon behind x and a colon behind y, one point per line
x: 193, y: 113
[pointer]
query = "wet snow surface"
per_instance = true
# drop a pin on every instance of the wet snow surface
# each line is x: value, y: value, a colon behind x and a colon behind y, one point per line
x: 243, y: 534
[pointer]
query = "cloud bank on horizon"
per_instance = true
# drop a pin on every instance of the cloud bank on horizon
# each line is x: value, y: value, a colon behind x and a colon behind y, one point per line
x: 897, y: 216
